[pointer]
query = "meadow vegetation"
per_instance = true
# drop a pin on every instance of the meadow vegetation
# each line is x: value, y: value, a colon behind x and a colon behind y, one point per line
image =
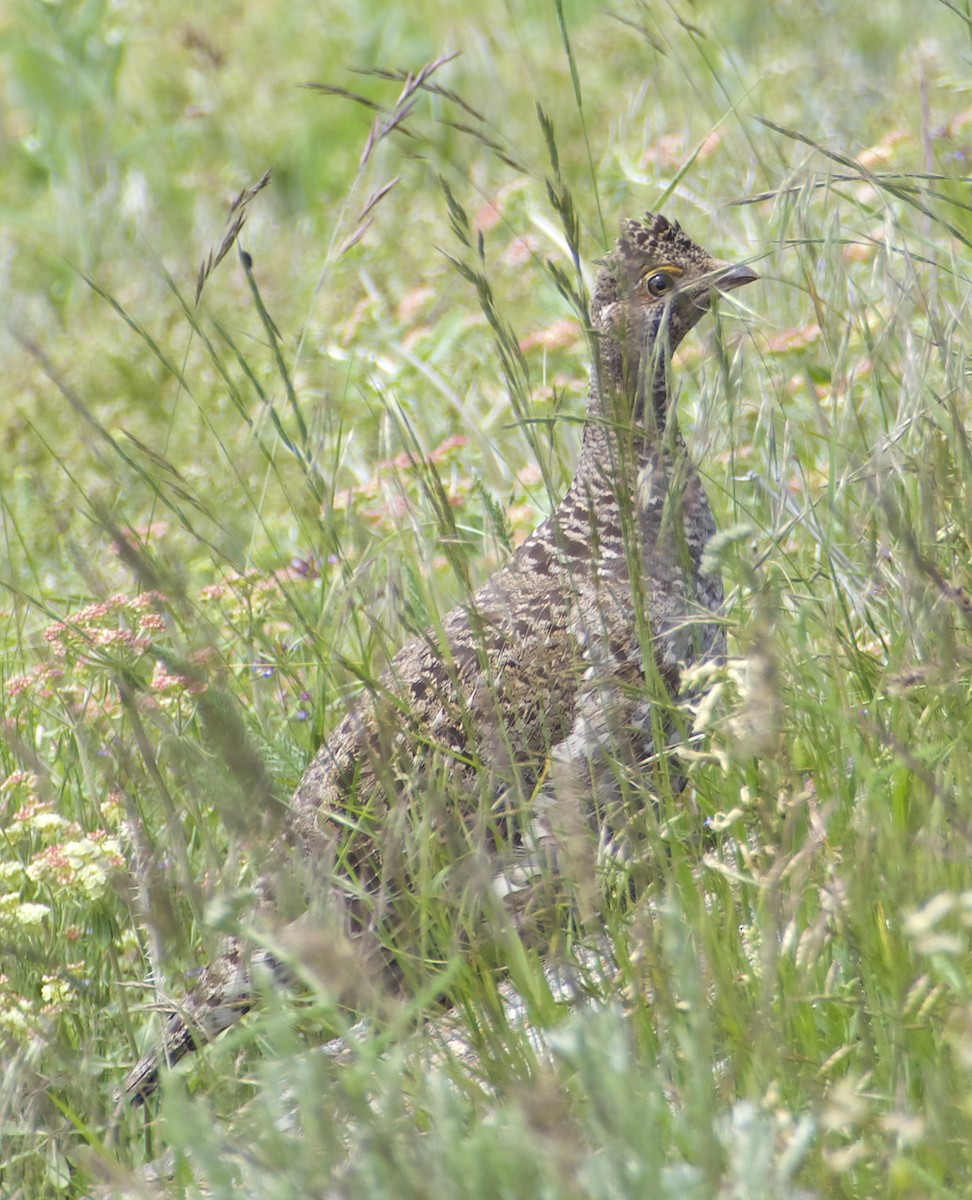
x: 243, y: 460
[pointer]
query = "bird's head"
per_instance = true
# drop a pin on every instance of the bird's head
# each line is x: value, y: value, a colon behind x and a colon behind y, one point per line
x: 650, y: 291
x: 657, y: 279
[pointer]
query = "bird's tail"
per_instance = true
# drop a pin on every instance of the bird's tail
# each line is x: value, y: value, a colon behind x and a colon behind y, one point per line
x: 352, y: 970
x: 222, y: 994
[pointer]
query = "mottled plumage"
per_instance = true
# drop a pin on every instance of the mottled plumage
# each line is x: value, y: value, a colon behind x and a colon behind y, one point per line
x: 537, y: 684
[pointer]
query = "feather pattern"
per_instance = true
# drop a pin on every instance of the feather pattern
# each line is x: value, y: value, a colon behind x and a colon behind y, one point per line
x: 538, y: 682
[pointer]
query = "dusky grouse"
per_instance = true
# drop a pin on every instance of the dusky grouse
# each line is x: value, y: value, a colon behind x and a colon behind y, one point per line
x: 500, y: 735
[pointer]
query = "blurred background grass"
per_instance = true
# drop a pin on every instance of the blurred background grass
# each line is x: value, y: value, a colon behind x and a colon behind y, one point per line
x: 795, y: 994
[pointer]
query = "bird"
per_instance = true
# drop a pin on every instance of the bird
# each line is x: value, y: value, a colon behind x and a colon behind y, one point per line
x: 501, y: 735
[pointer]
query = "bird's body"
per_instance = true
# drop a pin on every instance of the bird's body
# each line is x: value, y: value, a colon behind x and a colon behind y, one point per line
x: 553, y: 678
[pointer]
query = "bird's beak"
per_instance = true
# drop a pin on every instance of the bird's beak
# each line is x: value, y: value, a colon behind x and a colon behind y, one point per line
x: 735, y: 277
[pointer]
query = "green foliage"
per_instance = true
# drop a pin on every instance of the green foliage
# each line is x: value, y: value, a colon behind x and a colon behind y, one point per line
x: 250, y: 448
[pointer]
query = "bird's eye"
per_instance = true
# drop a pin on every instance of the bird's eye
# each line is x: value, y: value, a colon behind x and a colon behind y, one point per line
x: 659, y: 283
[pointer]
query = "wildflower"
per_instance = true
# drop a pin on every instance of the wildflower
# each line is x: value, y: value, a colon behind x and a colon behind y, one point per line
x: 51, y: 865
x: 55, y: 634
x: 15, y: 1018
x: 106, y: 639
x: 84, y: 864
x: 113, y: 808
x: 20, y: 683
x: 92, y: 614
x: 14, y: 911
x: 163, y: 680
x: 34, y: 818
x: 41, y: 820
x: 305, y: 568
x: 55, y: 992
x: 12, y: 874
x: 144, y: 601
x: 23, y: 780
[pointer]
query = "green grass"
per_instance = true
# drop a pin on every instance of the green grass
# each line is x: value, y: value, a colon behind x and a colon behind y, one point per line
x: 787, y: 1009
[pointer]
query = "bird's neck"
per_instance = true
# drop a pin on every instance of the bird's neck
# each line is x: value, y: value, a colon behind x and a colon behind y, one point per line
x: 630, y: 447
x: 628, y: 409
